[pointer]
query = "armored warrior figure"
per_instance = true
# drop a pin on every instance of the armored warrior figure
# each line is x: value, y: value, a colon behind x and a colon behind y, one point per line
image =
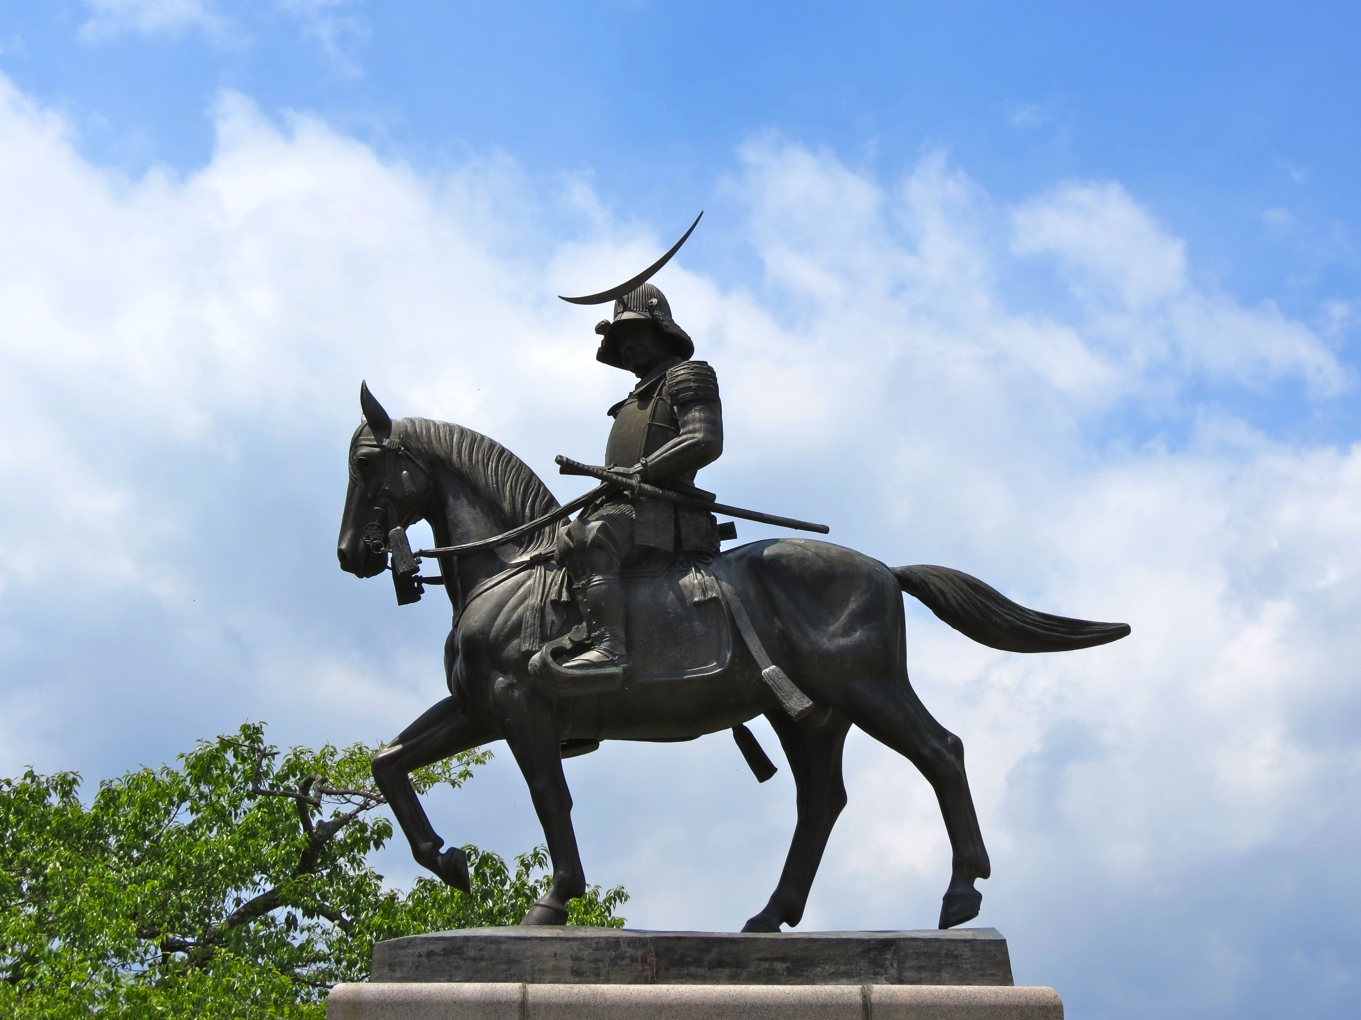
x: 669, y: 427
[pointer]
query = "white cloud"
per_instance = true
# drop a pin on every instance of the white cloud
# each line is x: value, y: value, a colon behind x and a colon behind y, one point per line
x: 1025, y: 115
x: 181, y: 359
x: 1139, y: 303
x: 1105, y: 240
x: 113, y: 17
x: 330, y: 24
x: 1278, y: 219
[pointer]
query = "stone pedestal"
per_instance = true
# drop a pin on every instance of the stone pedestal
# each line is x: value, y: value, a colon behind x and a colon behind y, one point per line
x: 604, y: 973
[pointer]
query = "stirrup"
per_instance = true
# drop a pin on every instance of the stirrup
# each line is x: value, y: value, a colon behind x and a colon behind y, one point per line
x: 548, y: 676
x: 586, y: 662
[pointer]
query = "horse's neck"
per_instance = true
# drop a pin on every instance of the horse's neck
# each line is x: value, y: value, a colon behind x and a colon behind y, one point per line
x: 457, y: 518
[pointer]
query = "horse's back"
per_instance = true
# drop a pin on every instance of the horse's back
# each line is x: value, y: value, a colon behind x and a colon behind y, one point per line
x: 823, y: 603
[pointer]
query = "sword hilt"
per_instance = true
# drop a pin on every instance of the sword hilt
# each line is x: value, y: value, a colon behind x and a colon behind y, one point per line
x: 568, y: 466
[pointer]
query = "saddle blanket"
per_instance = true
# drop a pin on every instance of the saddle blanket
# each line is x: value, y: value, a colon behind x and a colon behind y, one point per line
x: 678, y: 626
x: 677, y: 623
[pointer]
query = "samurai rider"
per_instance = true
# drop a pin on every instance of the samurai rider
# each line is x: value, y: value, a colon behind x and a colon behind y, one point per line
x: 669, y: 427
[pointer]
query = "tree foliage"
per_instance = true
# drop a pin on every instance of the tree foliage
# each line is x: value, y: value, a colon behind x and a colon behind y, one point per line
x: 235, y: 884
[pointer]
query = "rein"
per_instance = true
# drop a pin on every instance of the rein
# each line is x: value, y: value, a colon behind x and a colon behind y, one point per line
x: 408, y: 584
x: 538, y: 524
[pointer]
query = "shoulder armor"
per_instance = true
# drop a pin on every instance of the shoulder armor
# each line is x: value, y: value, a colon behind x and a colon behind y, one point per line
x: 690, y: 381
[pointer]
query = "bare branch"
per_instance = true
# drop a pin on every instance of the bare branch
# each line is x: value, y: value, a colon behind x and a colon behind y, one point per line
x: 261, y: 754
x: 373, y: 795
x: 306, y: 798
x: 313, y: 790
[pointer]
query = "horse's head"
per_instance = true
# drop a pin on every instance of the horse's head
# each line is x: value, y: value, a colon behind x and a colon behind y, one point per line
x: 388, y: 488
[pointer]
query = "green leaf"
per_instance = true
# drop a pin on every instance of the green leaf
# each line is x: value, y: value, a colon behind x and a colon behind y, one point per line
x: 234, y: 884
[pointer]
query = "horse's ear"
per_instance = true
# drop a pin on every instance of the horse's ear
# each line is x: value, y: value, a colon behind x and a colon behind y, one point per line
x: 373, y: 411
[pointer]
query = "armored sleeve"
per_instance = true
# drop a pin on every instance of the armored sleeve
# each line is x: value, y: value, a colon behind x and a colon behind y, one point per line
x: 693, y: 390
x: 691, y: 381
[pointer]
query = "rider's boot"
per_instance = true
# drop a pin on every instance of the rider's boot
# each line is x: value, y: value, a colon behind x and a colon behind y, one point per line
x: 602, y: 606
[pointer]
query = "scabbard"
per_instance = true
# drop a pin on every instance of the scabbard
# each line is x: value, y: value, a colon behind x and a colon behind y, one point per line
x: 567, y: 466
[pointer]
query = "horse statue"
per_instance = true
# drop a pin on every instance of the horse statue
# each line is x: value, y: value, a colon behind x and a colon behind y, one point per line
x: 832, y: 618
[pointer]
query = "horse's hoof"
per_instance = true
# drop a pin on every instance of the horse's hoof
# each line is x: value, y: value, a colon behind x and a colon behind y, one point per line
x: 545, y: 913
x: 758, y: 923
x: 452, y: 868
x: 956, y: 908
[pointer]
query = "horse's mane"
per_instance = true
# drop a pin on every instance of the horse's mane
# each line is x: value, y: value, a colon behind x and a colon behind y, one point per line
x: 502, y: 480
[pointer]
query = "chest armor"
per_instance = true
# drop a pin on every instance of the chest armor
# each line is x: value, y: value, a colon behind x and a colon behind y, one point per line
x: 643, y: 424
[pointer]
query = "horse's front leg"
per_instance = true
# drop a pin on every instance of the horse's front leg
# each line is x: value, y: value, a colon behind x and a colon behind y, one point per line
x: 442, y: 731
x: 531, y: 729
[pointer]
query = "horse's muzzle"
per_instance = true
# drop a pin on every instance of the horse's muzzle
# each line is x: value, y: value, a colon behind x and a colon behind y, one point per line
x: 363, y: 560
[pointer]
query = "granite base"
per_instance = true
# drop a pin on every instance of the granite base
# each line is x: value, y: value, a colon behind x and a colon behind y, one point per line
x: 503, y: 1001
x: 535, y: 973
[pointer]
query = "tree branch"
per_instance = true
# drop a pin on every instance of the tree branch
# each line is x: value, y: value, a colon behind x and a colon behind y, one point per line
x: 309, y: 799
x: 304, y: 804
x: 256, y: 906
x: 334, y: 916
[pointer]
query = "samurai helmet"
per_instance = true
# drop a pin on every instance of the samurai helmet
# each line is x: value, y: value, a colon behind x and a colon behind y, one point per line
x: 636, y: 299
x: 645, y: 303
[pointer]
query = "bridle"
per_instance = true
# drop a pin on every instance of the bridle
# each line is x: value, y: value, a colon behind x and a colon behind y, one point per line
x: 385, y: 516
x: 385, y: 533
x: 382, y: 537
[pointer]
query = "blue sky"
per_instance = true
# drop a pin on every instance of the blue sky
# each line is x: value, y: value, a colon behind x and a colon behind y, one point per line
x: 1212, y: 115
x: 1065, y: 298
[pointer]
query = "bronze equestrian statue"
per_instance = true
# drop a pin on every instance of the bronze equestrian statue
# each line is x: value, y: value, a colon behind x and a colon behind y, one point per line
x: 823, y: 642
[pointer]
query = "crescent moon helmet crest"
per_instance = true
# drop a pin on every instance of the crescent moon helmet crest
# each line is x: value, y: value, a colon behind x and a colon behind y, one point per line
x: 638, y: 299
x: 637, y: 281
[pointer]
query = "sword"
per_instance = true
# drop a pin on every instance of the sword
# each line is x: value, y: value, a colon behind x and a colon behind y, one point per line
x: 635, y: 487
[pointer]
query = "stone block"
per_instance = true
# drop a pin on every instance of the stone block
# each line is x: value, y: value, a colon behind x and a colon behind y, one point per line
x: 505, y: 1001
x: 620, y: 956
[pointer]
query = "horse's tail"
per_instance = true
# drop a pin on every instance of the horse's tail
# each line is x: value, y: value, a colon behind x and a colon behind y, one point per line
x: 984, y: 614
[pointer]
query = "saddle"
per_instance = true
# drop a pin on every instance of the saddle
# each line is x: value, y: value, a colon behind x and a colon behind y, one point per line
x: 678, y: 628
x: 680, y: 620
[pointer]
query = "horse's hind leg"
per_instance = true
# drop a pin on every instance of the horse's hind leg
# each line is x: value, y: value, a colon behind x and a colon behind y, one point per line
x: 814, y: 754
x: 443, y: 730
x: 893, y: 714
